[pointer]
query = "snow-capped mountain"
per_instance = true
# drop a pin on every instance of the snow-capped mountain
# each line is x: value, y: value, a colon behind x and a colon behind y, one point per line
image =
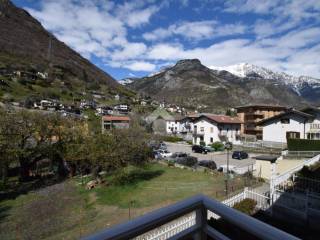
x: 126, y: 81
x: 253, y: 71
x: 302, y: 85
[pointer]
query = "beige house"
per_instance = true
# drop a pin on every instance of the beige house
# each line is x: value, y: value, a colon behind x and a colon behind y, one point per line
x: 110, y: 122
x: 250, y: 115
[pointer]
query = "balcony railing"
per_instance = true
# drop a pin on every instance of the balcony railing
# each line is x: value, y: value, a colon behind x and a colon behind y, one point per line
x: 199, y: 204
x: 198, y: 133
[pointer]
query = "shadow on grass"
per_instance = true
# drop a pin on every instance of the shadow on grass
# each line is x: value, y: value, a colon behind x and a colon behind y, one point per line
x: 15, y: 188
x: 135, y: 176
x: 4, y: 212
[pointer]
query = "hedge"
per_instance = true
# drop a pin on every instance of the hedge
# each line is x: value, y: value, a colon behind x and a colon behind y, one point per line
x: 303, y: 144
x: 172, y: 139
x: 246, y: 206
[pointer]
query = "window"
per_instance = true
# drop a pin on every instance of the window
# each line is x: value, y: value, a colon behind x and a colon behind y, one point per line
x: 211, y: 129
x: 211, y: 140
x: 293, y: 135
x: 285, y: 120
x: 201, y: 129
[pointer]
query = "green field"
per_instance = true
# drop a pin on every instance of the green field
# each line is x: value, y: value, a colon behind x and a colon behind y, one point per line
x: 68, y: 211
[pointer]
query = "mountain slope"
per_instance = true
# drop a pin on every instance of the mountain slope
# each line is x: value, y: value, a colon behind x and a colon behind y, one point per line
x: 193, y: 85
x: 25, y: 46
x: 307, y: 87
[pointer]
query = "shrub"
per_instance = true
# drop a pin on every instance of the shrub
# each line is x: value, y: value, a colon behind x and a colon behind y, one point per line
x: 189, y: 142
x: 131, y: 176
x: 303, y: 144
x: 202, y: 143
x: 218, y: 146
x: 246, y: 206
x: 172, y: 139
x: 170, y: 163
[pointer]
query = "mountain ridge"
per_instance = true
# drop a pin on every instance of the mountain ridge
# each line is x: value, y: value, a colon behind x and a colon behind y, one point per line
x: 26, y: 46
x: 189, y: 83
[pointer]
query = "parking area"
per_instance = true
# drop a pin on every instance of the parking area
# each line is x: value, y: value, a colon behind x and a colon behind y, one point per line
x: 218, y: 158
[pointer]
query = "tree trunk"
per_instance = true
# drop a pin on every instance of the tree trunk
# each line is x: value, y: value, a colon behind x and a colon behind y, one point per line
x: 24, y: 170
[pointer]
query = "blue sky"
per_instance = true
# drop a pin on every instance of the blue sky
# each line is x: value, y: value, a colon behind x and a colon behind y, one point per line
x: 136, y: 38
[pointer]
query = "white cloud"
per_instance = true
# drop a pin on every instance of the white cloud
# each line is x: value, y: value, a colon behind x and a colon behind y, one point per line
x: 141, y: 66
x: 196, y: 30
x: 284, y: 34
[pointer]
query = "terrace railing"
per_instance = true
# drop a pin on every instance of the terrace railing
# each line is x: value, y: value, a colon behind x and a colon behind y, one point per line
x: 197, y: 228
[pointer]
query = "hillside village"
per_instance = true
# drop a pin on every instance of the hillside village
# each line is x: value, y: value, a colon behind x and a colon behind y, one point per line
x: 191, y: 151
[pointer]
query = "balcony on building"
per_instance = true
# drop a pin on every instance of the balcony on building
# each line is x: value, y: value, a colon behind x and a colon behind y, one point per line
x: 188, y: 219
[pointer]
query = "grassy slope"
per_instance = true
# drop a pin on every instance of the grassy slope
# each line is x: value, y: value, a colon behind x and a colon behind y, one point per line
x: 67, y: 211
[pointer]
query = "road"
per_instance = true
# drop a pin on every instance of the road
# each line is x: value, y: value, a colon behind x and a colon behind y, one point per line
x: 218, y: 158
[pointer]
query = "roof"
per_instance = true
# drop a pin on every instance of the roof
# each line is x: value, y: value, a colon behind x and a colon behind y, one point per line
x: 159, y: 112
x: 310, y: 109
x: 290, y: 111
x: 115, y: 118
x: 269, y: 158
x: 221, y: 118
x: 263, y: 106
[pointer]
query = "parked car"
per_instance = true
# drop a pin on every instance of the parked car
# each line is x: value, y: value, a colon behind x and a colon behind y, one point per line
x: 164, y: 153
x: 239, y: 155
x: 184, y: 159
x: 208, y: 164
x: 162, y: 146
x: 209, y: 149
x: 199, y: 149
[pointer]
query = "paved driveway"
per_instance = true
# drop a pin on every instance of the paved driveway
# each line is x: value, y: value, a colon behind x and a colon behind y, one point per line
x: 218, y: 158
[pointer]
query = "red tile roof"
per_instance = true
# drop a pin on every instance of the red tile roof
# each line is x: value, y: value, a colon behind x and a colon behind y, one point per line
x: 116, y: 118
x: 222, y: 119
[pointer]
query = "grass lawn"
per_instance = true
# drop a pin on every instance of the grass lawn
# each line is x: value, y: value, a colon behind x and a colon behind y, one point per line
x: 68, y: 211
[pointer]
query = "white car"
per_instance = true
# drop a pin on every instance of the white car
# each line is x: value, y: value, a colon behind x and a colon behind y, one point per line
x: 165, y: 153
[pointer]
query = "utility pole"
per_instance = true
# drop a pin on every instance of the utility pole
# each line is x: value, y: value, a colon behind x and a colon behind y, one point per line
x: 228, y: 146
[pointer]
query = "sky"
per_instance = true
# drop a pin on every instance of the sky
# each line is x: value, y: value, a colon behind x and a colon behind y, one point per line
x: 139, y: 37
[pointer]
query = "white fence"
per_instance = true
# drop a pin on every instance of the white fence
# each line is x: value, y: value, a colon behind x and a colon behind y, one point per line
x: 302, y: 154
x: 263, y: 202
x: 264, y: 144
x: 170, y: 229
x: 283, y: 178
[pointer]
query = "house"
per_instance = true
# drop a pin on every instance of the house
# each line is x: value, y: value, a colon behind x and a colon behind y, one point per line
x: 104, y: 110
x: 289, y: 124
x: 210, y: 128
x: 313, y: 129
x: 173, y: 126
x: 112, y: 121
x: 159, y: 119
x: 121, y: 108
x: 250, y: 115
x: 117, y: 97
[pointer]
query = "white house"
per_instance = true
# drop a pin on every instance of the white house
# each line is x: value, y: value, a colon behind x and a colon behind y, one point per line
x: 290, y: 124
x: 313, y: 127
x: 173, y: 126
x: 210, y: 128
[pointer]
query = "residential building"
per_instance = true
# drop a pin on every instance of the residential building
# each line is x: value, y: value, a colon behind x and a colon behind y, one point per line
x: 313, y: 129
x: 104, y: 110
x: 122, y: 108
x: 250, y: 115
x: 210, y: 128
x: 289, y: 124
x: 111, y: 122
x: 159, y: 119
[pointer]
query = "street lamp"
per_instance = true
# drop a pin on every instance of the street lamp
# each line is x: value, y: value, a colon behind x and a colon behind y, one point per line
x: 228, y: 146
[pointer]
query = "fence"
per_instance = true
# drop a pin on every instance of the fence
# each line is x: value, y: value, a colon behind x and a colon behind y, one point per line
x: 263, y: 202
x: 302, y: 154
x: 264, y: 144
x: 170, y: 229
x: 283, y: 178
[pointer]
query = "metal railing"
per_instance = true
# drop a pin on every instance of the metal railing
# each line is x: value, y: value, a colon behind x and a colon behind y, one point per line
x: 302, y: 154
x: 199, y: 204
x: 281, y: 179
